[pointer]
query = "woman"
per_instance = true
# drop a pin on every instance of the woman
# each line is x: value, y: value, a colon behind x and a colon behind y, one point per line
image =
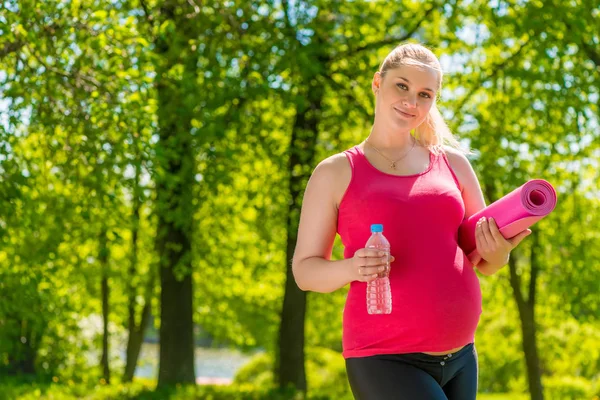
x: 420, y: 187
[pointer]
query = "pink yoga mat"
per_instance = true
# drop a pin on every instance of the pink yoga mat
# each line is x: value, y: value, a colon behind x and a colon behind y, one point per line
x: 513, y: 213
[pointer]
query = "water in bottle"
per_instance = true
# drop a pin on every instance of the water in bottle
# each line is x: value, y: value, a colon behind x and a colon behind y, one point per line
x: 379, y: 294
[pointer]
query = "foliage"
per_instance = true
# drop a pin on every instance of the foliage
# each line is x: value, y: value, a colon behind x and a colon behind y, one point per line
x: 26, y: 389
x: 569, y: 388
x: 325, y: 370
x: 22, y: 389
x: 79, y: 117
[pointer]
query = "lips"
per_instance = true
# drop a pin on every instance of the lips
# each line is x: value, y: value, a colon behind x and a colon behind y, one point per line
x: 404, y: 114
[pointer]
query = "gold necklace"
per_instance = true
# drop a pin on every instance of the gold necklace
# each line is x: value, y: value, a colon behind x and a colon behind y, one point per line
x: 392, y: 162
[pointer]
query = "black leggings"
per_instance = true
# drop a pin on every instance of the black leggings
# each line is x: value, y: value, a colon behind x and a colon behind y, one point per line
x: 415, y: 376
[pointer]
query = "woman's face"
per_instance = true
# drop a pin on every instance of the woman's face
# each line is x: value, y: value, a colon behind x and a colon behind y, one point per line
x: 405, y: 95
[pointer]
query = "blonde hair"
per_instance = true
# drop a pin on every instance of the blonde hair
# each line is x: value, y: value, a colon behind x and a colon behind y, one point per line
x: 433, y: 132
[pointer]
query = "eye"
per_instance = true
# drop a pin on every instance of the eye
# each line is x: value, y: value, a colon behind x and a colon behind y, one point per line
x: 402, y: 86
x: 425, y: 95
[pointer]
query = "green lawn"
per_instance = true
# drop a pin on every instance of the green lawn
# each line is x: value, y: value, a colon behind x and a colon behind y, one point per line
x: 16, y: 389
x: 502, y: 396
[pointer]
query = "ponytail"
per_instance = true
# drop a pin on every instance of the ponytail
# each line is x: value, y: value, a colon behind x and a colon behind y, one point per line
x: 434, y: 133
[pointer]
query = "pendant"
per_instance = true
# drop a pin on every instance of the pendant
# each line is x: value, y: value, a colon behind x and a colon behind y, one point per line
x: 393, y: 165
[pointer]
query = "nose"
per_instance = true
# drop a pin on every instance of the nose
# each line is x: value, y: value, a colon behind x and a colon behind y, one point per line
x: 410, y: 101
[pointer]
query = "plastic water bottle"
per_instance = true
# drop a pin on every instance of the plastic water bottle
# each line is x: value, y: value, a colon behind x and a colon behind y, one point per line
x: 379, y: 294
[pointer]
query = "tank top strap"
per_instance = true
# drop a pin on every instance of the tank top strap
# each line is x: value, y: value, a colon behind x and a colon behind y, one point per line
x: 444, y: 167
x: 352, y: 155
x: 358, y: 163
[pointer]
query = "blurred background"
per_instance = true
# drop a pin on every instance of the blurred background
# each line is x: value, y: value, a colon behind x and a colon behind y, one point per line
x: 153, y: 158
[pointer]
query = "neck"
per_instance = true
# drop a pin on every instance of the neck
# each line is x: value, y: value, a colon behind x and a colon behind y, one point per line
x: 388, y: 139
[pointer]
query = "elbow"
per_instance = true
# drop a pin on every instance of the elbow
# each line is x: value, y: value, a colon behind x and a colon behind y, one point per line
x: 297, y: 278
x: 301, y: 287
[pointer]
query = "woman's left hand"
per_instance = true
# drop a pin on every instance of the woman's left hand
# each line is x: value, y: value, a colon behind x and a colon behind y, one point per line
x: 491, y: 245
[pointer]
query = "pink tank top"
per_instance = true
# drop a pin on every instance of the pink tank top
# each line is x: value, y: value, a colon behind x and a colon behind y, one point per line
x: 436, y: 298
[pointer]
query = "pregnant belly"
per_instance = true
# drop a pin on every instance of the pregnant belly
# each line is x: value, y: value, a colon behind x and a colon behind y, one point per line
x: 428, y: 315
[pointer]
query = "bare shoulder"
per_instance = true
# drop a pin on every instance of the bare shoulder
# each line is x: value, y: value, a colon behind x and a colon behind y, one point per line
x: 460, y: 165
x: 457, y: 157
x: 334, y: 173
x: 469, y: 184
x: 336, y: 161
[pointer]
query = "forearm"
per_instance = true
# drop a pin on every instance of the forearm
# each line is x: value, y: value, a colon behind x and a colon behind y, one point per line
x: 488, y: 269
x: 320, y: 275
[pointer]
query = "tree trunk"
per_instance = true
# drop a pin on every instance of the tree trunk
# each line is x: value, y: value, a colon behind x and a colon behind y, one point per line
x: 135, y: 340
x: 22, y: 361
x: 103, y: 259
x: 136, y: 332
x: 290, y: 368
x: 175, y: 180
x: 176, y: 326
x: 531, y: 353
x: 174, y: 249
x: 526, y: 309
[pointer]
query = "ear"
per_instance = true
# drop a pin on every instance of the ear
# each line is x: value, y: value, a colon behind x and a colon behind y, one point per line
x: 376, y: 82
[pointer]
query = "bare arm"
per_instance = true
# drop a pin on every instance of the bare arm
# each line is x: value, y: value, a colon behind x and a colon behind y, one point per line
x: 311, y: 264
x: 491, y: 245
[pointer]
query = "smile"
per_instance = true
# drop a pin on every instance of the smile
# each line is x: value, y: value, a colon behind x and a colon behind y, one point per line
x: 405, y: 115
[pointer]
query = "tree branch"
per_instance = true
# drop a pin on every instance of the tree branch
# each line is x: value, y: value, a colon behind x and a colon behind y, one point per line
x: 589, y: 50
x: 386, y: 41
x: 495, y: 69
x: 195, y: 7
x: 147, y: 13
x: 11, y: 47
x: 17, y: 45
x: 286, y: 11
x: 591, y: 53
x: 345, y: 92
x: 64, y: 74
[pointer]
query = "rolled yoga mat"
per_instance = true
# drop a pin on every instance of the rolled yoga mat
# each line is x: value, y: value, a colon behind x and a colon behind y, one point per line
x: 513, y: 213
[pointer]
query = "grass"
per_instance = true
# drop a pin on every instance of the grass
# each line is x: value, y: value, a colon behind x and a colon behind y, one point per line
x: 16, y: 389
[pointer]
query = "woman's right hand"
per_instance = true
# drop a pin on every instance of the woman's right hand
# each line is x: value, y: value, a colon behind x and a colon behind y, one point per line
x: 367, y: 264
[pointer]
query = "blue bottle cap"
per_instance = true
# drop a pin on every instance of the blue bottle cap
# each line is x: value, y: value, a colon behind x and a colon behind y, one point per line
x: 376, y: 228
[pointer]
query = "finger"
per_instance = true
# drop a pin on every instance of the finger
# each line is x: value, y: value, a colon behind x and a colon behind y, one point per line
x: 495, y: 232
x: 480, y: 244
x: 514, y: 242
x: 487, y: 234
x: 480, y: 237
x: 363, y: 274
x: 377, y: 270
x: 373, y: 261
x: 366, y: 274
x: 366, y: 271
x: 366, y: 253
